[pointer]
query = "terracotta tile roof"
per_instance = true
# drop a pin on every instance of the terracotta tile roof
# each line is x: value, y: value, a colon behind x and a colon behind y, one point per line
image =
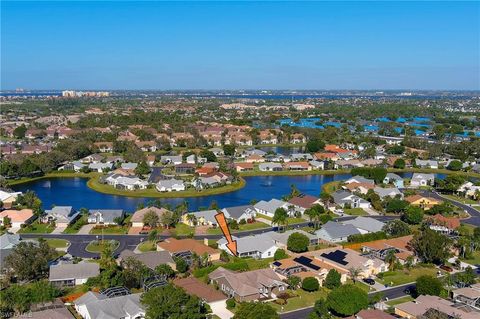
x: 139, y: 214
x: 177, y: 245
x: 17, y: 216
x: 355, y: 185
x: 450, y: 222
x: 197, y: 288
x: 305, y: 201
x: 244, y: 165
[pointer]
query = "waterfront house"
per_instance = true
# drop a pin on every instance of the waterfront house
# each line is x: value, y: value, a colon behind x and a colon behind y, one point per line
x: 68, y: 275
x: 249, y: 285
x: 93, y: 305
x: 303, y: 202
x: 297, y: 138
x: 269, y: 208
x: 238, y: 213
x: 200, y: 218
x: 61, y: 215
x: 270, y: 167
x: 361, y: 188
x: 100, y: 167
x: 8, y: 198
x: 137, y: 217
x: 426, y: 163
x: 244, y: 167
x: 170, y: 185
x: 336, y: 232
x: 422, y: 179
x: 297, y: 166
x: 317, y: 165
x: 105, y: 216
x: 360, y: 180
x: 125, y: 182
x: 344, y: 198
x: 17, y: 217
x: 395, y: 179
x: 257, y: 246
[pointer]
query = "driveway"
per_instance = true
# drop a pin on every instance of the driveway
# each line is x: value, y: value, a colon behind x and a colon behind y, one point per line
x: 219, y: 308
x: 85, y: 230
x: 58, y: 230
x: 371, y: 211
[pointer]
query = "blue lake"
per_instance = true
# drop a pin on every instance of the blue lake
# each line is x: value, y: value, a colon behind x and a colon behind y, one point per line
x: 75, y: 192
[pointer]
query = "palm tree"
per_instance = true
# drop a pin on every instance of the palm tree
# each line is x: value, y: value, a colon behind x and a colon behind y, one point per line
x: 192, y: 219
x: 280, y: 217
x: 354, y: 273
x: 390, y: 259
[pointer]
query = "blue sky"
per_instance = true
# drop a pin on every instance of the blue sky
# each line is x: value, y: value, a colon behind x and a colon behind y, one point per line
x: 244, y: 45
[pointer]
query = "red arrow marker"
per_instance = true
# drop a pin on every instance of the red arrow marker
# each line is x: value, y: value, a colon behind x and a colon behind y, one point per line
x: 222, y: 222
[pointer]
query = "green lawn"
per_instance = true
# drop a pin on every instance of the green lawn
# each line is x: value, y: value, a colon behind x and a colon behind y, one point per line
x: 75, y: 227
x: 264, y: 217
x: 244, y: 227
x: 295, y: 220
x: 404, y: 276
x: 97, y: 246
x: 57, y: 243
x: 37, y: 228
x: 147, y: 246
x: 109, y: 230
x: 460, y: 199
x: 360, y: 285
x: 475, y: 260
x: 182, y: 229
x: 302, y: 299
x: 355, y: 211
x: 331, y: 187
x: 400, y: 300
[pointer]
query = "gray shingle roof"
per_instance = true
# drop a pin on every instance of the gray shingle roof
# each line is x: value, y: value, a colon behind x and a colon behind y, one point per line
x: 208, y: 215
x: 260, y: 243
x: 269, y: 206
x: 365, y: 223
x: 338, y: 230
x: 73, y: 271
x: 113, y: 308
x: 151, y: 259
x: 237, y: 211
x: 108, y: 215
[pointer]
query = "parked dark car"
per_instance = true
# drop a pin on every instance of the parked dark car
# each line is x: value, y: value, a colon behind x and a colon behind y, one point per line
x: 369, y: 281
x: 410, y: 290
x: 446, y: 268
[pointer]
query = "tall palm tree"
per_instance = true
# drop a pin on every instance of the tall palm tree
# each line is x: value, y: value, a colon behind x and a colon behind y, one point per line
x: 280, y: 217
x: 192, y: 219
x: 354, y: 273
x: 390, y: 259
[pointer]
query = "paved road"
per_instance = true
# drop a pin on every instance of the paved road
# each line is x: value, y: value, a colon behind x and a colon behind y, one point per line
x: 390, y: 293
x: 80, y: 241
x: 474, y: 213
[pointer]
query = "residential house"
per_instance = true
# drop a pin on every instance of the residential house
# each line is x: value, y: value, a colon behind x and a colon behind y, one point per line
x: 105, y: 216
x: 203, y: 182
x: 344, y: 198
x: 238, y: 213
x: 151, y: 160
x: 442, y: 224
x: 297, y: 166
x: 254, y: 158
x: 17, y: 217
x: 426, y: 163
x: 391, y: 192
x: 326, y: 156
x: 469, y: 296
x: 201, y: 218
x: 170, y: 185
x: 347, y: 163
x: 93, y: 305
x: 270, y: 167
x: 371, y: 314
x: 196, y: 287
x: 147, y: 146
x: 125, y: 182
x: 67, y: 275
x: 421, y: 179
x: 468, y: 189
x: 217, y: 151
x: 381, y: 248
x: 360, y: 180
x: 395, y: 179
x: 249, y: 285
x: 281, y: 239
x: 129, y: 166
x: 256, y: 246
x: 297, y: 138
x: 424, y: 202
x: 8, y: 198
x: 185, y: 168
x: 303, y: 202
x: 138, y: 216
x: 348, y: 258
x: 317, y: 165
x: 361, y: 188
x: 299, y: 157
x: 7, y: 244
x: 171, y: 159
x: 336, y: 232
x: 92, y: 158
x: 269, y: 208
x: 104, y: 147
x: 188, y: 245
x: 244, y: 167
x: 100, y: 167
x: 365, y: 224
x: 61, y: 215
x: 151, y: 259
x: 417, y: 308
